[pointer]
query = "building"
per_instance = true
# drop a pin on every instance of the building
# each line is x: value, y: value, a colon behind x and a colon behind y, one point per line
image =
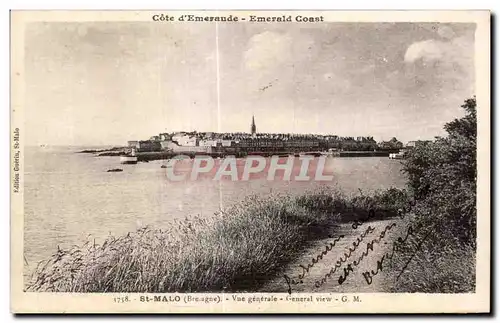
x: 207, y: 143
x: 253, y: 128
x: 413, y: 144
x: 148, y: 146
x: 176, y: 148
x: 165, y: 136
x: 133, y: 144
x: 184, y: 139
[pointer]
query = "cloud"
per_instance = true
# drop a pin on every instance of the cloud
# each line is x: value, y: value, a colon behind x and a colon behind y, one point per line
x: 268, y: 50
x: 438, y: 74
x: 284, y: 59
x: 428, y: 50
x: 456, y: 54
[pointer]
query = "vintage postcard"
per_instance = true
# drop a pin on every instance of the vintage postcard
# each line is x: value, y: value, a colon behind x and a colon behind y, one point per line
x: 250, y: 162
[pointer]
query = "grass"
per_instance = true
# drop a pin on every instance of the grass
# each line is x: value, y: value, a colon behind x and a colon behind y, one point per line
x: 439, y: 266
x: 441, y: 261
x: 240, y: 248
x: 236, y: 250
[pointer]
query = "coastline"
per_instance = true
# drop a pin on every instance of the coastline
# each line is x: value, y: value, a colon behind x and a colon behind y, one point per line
x: 262, y: 237
x: 163, y: 155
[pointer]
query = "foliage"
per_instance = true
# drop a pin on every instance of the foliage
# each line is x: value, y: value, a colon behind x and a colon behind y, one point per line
x: 442, y: 176
x: 449, y: 269
x: 392, y: 144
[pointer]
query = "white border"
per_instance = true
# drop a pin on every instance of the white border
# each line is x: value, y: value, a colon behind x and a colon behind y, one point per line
x: 187, y: 4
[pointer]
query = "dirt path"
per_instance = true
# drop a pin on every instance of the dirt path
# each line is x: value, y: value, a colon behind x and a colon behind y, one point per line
x: 314, y: 274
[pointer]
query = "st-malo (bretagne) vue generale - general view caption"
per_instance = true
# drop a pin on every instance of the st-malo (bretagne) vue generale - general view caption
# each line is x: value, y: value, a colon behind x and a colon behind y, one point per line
x: 236, y: 161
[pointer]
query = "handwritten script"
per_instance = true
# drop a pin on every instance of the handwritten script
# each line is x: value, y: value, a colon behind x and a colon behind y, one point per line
x: 369, y: 248
x: 345, y: 257
x: 315, y: 260
x: 397, y: 246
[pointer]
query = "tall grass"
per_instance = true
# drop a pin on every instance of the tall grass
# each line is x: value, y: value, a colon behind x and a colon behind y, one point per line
x: 235, y: 250
x: 438, y: 264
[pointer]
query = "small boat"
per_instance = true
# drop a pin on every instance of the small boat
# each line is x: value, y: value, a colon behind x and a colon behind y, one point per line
x: 115, y: 170
x: 129, y: 158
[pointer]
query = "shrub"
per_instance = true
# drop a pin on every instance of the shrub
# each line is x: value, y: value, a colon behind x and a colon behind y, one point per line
x: 451, y: 269
x: 442, y: 176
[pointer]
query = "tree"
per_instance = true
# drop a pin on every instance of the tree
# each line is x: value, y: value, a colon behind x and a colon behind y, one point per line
x: 442, y: 176
x: 392, y: 144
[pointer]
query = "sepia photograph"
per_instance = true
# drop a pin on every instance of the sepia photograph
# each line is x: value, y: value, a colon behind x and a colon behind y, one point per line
x: 249, y: 157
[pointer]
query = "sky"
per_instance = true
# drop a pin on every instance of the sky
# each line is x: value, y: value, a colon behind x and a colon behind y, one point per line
x: 104, y: 83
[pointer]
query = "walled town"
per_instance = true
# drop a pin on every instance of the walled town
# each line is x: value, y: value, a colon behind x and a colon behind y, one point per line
x: 247, y: 143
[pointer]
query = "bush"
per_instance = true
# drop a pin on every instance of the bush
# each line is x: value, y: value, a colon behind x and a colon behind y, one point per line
x: 451, y: 269
x: 384, y: 203
x: 442, y: 178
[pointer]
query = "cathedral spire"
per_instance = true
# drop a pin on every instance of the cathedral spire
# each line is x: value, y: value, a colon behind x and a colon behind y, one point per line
x: 253, y: 128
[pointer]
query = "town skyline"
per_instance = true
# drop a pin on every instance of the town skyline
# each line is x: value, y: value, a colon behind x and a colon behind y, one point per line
x: 254, y: 130
x: 107, y: 83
